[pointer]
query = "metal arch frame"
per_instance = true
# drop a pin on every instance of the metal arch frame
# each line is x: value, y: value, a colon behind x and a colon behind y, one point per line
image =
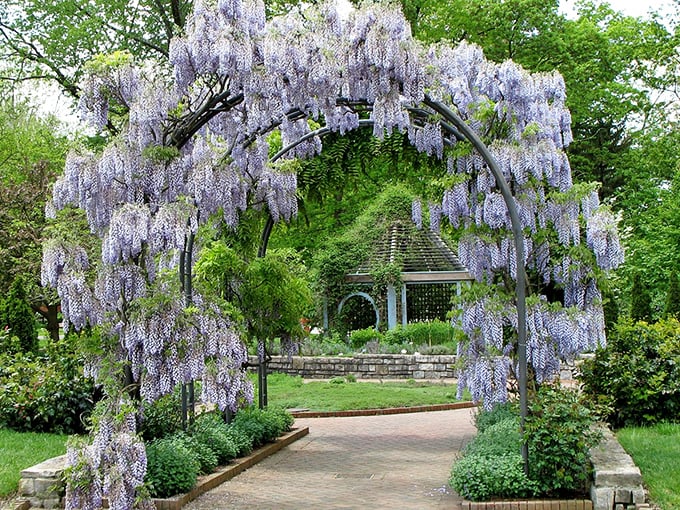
x: 457, y: 127
x: 367, y: 298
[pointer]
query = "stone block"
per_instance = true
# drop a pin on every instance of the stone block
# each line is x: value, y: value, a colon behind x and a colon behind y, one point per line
x: 639, y: 496
x: 46, y: 487
x: 26, y: 487
x: 623, y: 496
x: 602, y: 498
x: 51, y: 503
x: 426, y: 366
x: 418, y: 374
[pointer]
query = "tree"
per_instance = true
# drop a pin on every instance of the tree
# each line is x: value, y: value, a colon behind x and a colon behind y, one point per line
x: 195, y: 150
x: 609, y: 61
x: 672, y: 308
x: 16, y: 314
x: 641, y: 307
x: 31, y: 154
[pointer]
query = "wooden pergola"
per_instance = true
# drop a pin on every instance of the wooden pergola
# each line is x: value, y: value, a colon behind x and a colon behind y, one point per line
x: 424, y: 258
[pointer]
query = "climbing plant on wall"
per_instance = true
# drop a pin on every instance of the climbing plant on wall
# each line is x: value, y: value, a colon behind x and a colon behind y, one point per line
x: 195, y: 147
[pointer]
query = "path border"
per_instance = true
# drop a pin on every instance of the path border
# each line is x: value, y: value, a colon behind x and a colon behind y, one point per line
x: 379, y: 412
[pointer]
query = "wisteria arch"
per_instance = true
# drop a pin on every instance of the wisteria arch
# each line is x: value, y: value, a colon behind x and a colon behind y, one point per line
x: 195, y: 147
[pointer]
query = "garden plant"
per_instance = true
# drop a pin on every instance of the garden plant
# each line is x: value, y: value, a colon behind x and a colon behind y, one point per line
x: 195, y: 149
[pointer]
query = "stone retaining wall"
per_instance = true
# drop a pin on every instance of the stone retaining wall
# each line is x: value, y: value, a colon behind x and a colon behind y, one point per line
x: 617, y: 481
x: 366, y: 366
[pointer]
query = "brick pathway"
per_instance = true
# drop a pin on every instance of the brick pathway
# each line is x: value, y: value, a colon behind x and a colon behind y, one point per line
x: 398, y: 461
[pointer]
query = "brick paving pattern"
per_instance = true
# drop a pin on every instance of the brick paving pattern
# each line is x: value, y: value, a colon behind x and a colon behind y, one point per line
x: 397, y: 461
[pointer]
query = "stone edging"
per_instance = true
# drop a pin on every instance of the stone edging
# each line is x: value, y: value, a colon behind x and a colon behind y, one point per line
x: 380, y: 412
x: 212, y: 480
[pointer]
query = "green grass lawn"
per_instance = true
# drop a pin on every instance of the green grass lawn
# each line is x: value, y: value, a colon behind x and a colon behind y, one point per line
x: 656, y: 451
x: 340, y: 395
x: 19, y: 450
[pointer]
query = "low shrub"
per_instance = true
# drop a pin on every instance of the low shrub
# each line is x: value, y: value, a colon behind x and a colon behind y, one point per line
x: 478, y: 477
x: 263, y: 425
x: 174, y: 461
x: 200, y: 451
x: 430, y: 333
x: 636, y: 378
x: 485, y: 418
x: 162, y: 417
x: 45, y: 392
x: 170, y: 468
x: 559, y: 433
x: 211, y: 430
x: 501, y: 438
x: 361, y: 337
x: 397, y: 336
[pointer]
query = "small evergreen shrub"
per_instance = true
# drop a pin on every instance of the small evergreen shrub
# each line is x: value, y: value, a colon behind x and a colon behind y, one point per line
x: 263, y: 425
x: 559, y: 434
x: 162, y: 417
x: 636, y: 378
x: 17, y: 315
x: 171, y: 468
x: 486, y: 418
x: 361, y: 337
x: 210, y: 429
x: 201, y: 452
x: 397, y: 336
x: 45, y: 392
x: 479, y: 478
x: 430, y: 333
x: 241, y: 439
x: 501, y: 438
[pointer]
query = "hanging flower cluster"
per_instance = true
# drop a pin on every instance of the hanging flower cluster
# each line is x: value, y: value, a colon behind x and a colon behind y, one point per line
x: 196, y: 147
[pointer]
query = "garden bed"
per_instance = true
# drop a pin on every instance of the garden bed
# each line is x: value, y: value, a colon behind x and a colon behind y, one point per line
x: 42, y: 482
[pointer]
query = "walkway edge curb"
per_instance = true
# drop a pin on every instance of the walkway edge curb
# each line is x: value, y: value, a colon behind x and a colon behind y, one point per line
x: 379, y: 412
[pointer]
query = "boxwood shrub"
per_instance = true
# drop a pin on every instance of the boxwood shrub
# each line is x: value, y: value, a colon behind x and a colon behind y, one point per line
x: 170, y: 468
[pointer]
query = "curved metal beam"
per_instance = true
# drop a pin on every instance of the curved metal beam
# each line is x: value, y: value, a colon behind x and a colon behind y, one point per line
x: 520, y: 288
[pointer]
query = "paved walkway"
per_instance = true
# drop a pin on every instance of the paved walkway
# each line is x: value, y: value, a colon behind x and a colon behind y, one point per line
x: 395, y: 462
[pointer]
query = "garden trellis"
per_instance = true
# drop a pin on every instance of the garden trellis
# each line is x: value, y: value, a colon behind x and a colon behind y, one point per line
x: 195, y: 146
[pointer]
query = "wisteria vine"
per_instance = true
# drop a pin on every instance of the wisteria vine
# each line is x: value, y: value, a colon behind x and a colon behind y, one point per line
x: 195, y: 147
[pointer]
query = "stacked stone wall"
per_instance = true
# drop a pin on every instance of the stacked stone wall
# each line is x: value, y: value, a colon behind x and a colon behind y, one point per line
x: 366, y: 366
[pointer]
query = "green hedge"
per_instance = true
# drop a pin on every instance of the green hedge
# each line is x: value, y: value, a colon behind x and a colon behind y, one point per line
x: 45, y: 392
x: 558, y: 435
x: 636, y: 378
x: 174, y: 461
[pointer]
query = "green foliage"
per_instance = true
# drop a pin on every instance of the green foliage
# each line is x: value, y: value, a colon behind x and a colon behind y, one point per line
x: 479, y: 478
x: 636, y: 378
x: 434, y: 332
x: 45, y: 392
x: 361, y: 337
x: 500, y: 412
x: 501, y: 438
x: 201, y: 452
x: 17, y: 315
x: 262, y: 425
x: 672, y: 308
x: 211, y: 430
x: 171, y: 468
x: 241, y: 439
x: 641, y: 306
x: 559, y: 434
x: 162, y: 417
